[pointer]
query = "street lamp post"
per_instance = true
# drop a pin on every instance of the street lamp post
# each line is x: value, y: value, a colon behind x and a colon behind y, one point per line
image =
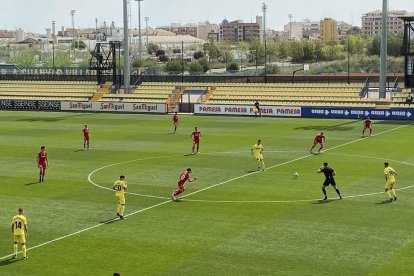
x: 139, y: 31
x: 349, y: 79
x: 146, y: 23
x: 72, y: 13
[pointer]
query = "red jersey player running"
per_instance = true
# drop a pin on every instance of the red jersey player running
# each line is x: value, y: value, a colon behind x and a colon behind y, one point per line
x: 196, y: 139
x: 185, y: 175
x: 42, y: 163
x: 175, y: 121
x: 86, y: 137
x: 367, y: 124
x: 319, y: 139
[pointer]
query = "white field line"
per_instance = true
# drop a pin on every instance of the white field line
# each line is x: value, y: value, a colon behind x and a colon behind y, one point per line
x: 167, y: 201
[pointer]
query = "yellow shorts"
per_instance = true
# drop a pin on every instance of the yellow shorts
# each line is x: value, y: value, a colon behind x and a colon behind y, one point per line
x: 389, y: 185
x: 120, y: 199
x: 259, y: 156
x: 19, y: 238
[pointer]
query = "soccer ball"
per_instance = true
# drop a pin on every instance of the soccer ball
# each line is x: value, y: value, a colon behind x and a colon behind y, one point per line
x: 295, y: 174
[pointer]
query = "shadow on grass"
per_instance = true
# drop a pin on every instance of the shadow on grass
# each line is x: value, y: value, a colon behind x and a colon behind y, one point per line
x: 339, y: 127
x: 78, y: 150
x: 10, y: 261
x: 55, y: 119
x: 321, y: 201
x: 109, y: 221
x: 32, y: 183
x: 383, y: 202
x: 189, y: 154
x: 251, y: 171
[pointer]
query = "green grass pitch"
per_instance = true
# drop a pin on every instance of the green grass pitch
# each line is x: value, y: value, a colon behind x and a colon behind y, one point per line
x: 231, y: 221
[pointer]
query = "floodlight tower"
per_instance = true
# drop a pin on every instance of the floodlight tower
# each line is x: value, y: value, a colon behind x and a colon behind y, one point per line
x: 72, y: 13
x: 383, y: 63
x: 290, y: 25
x: 146, y: 23
x: 126, y: 48
x: 139, y: 31
x: 264, y: 9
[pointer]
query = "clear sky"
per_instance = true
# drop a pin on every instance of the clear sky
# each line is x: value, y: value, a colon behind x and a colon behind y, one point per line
x: 37, y: 15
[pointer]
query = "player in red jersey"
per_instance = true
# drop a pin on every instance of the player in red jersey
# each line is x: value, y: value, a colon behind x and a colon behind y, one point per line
x: 367, y: 124
x: 175, y: 121
x: 196, y: 139
x: 185, y: 175
x: 42, y: 163
x: 319, y: 139
x: 86, y: 137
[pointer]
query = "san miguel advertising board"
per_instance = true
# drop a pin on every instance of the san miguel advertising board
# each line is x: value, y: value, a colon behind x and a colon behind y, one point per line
x: 115, y: 107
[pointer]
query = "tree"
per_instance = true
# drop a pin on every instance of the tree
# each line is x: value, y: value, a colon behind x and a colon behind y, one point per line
x: 272, y: 50
x: 242, y: 48
x: 62, y: 59
x: 25, y: 57
x: 159, y: 53
x: 144, y: 63
x: 163, y: 58
x: 152, y: 48
x: 174, y: 66
x: 212, y: 50
x: 395, y: 44
x: 198, y: 55
x: 374, y: 46
x: 308, y: 51
x: 233, y: 67
x: 256, y: 52
x: 283, y: 52
x: 205, y: 65
x: 195, y: 67
x: 296, y: 51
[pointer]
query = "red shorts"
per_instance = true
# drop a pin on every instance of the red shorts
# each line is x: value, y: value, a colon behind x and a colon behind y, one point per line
x: 42, y: 165
x: 196, y: 141
x: 180, y: 187
x: 317, y: 142
x: 86, y: 138
x: 367, y: 126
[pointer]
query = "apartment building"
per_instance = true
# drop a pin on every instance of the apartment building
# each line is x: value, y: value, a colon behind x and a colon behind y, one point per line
x: 178, y: 29
x: 372, y: 22
x: 328, y: 29
x: 237, y: 31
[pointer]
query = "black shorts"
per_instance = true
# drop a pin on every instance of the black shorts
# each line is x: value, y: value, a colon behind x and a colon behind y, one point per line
x: 328, y: 182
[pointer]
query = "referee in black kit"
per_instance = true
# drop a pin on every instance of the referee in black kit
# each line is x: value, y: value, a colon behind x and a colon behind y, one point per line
x: 329, y: 179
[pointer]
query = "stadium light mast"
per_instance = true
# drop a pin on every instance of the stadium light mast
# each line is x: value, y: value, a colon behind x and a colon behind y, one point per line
x: 146, y: 23
x: 126, y: 48
x: 290, y: 25
x: 139, y: 32
x: 383, y: 62
x: 264, y: 8
x: 72, y: 13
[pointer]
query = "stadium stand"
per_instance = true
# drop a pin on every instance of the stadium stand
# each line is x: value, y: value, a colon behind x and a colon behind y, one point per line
x: 282, y: 94
x: 48, y: 90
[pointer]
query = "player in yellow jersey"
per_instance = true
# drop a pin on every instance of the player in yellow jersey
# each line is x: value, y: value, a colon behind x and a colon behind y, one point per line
x: 257, y: 152
x: 20, y: 232
x: 390, y: 174
x: 119, y: 187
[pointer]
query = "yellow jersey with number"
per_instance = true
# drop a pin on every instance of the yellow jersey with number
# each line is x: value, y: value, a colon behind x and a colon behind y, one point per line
x: 390, y: 174
x: 119, y: 187
x: 19, y: 221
